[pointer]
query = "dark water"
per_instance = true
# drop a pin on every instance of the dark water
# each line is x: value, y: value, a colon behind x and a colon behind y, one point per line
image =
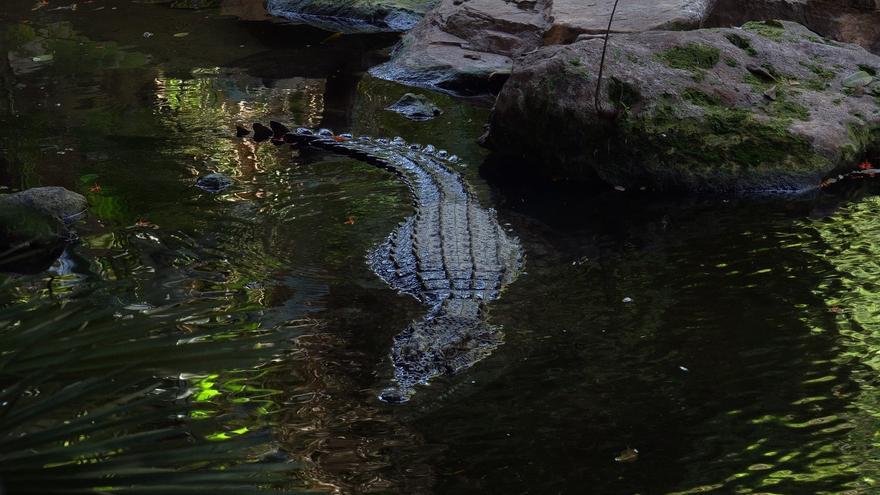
x: 734, y: 343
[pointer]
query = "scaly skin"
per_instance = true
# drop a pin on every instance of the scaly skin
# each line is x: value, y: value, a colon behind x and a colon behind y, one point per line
x: 452, y: 255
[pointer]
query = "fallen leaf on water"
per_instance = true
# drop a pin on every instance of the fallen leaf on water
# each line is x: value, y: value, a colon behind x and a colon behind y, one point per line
x: 835, y: 309
x: 350, y: 221
x: 628, y: 455
x: 180, y: 35
x: 866, y: 165
x: 340, y: 139
x: 96, y: 188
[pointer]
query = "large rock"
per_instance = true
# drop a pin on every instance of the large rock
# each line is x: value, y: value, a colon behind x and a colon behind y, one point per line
x: 459, y: 45
x: 352, y: 16
x: 770, y: 106
x: 569, y: 18
x: 468, y: 46
x: 851, y: 21
x: 57, y: 202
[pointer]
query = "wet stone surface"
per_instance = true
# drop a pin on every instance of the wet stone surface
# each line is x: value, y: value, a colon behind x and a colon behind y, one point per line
x: 416, y: 107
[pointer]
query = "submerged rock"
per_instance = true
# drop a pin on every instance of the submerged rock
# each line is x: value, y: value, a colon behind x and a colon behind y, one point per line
x: 33, y: 227
x: 352, y: 16
x: 690, y: 110
x: 415, y: 107
x: 214, y: 183
x: 57, y: 202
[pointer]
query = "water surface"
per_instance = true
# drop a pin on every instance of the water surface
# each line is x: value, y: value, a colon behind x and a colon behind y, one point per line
x: 732, y: 342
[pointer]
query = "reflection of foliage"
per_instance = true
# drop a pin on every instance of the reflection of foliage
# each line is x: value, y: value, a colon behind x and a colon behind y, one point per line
x: 852, y: 246
x: 85, y: 407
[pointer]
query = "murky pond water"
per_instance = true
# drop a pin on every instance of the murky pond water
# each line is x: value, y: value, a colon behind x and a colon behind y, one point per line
x: 652, y: 345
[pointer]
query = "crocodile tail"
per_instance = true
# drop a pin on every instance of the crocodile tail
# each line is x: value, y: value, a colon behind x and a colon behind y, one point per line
x: 448, y: 340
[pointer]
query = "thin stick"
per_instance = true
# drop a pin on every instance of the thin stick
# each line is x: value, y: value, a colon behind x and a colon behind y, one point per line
x: 602, y: 61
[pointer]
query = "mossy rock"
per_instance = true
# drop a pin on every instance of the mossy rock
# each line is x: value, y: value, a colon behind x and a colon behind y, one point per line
x: 775, y: 115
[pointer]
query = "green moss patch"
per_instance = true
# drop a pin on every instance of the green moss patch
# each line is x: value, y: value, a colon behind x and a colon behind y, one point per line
x: 726, y: 139
x: 783, y: 108
x: 700, y: 98
x: 823, y: 77
x: 773, y: 30
x: 693, y: 57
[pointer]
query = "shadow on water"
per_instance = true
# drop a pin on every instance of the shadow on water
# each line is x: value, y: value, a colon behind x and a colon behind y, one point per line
x: 730, y: 342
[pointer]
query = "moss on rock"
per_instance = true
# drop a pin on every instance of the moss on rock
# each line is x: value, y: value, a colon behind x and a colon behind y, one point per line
x: 773, y: 30
x: 692, y: 57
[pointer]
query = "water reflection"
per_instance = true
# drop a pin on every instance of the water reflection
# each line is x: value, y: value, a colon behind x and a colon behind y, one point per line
x: 731, y: 343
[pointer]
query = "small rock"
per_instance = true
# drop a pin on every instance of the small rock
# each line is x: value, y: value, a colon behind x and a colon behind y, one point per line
x: 214, y: 183
x: 858, y: 79
x: 415, y: 107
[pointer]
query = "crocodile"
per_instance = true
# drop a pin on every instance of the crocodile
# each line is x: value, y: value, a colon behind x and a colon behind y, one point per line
x: 452, y: 255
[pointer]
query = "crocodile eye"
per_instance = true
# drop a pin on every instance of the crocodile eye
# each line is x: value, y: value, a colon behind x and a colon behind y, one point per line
x: 302, y: 131
x: 346, y: 136
x: 325, y: 133
x: 415, y: 147
x: 443, y: 154
x: 429, y: 149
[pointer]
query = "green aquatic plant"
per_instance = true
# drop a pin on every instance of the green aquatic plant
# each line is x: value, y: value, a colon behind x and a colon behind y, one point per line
x: 94, y: 402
